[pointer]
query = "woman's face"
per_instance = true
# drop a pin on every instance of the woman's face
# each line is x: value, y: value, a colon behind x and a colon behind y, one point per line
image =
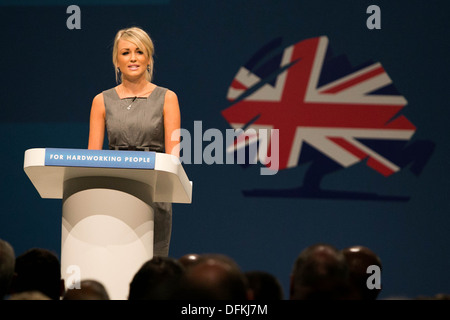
x: 131, y: 61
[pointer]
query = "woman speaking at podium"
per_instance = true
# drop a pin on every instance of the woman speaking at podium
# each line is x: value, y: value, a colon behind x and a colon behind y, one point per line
x: 138, y: 115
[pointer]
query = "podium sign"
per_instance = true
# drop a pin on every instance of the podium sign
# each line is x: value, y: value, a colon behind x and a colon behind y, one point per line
x: 99, y: 158
x: 107, y: 207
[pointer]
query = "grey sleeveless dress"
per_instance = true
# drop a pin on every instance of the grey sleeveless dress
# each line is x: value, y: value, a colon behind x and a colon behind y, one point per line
x: 138, y: 124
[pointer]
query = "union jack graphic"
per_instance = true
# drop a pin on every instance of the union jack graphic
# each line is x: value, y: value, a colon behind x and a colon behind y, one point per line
x: 319, y: 100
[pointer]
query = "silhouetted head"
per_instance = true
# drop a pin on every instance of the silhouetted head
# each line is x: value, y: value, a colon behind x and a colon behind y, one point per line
x: 359, y: 258
x: 157, y: 279
x: 29, y: 295
x: 214, y: 277
x: 38, y: 269
x: 87, y: 290
x: 320, y: 272
x: 189, y: 259
x: 264, y: 285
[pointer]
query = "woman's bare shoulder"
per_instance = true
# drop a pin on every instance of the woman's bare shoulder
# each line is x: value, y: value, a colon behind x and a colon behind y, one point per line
x: 171, y: 95
x: 98, y: 102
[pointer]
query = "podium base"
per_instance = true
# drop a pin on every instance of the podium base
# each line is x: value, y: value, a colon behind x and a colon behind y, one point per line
x: 107, y: 232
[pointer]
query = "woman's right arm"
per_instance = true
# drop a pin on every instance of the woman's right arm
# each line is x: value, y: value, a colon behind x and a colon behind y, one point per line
x: 97, y: 123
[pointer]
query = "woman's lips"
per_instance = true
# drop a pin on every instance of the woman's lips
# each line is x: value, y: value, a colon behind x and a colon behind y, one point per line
x: 133, y: 67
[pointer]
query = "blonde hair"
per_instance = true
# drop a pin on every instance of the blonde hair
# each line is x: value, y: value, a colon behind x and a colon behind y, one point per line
x: 139, y: 38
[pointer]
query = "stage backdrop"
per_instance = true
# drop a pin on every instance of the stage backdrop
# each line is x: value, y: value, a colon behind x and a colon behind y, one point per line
x: 356, y: 90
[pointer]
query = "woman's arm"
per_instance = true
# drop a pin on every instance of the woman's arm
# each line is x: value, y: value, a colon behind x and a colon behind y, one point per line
x: 97, y: 123
x: 172, y: 123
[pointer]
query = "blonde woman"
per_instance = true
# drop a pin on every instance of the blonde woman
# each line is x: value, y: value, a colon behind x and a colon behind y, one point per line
x: 138, y: 115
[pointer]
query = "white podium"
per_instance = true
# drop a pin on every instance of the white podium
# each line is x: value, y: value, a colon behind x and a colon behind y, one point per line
x: 107, y: 215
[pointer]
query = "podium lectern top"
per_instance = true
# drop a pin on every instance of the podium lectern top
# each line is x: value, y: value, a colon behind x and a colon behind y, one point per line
x: 49, y: 168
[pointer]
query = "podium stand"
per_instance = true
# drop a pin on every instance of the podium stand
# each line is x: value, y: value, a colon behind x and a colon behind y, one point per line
x: 107, y: 208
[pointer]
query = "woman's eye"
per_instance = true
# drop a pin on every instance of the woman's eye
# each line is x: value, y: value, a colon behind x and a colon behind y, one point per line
x: 124, y: 53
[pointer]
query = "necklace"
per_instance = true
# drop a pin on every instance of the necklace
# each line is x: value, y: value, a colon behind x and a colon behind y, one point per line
x: 129, y: 106
x: 124, y: 97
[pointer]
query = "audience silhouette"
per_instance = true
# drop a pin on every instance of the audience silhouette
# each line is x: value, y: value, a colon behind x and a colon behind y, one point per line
x: 87, y: 289
x: 38, y: 269
x: 29, y: 295
x: 264, y: 285
x: 214, y: 277
x: 320, y: 272
x: 189, y: 259
x: 157, y: 279
x: 359, y: 258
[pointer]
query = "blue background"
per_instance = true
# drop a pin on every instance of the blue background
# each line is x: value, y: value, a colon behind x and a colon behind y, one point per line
x: 50, y: 75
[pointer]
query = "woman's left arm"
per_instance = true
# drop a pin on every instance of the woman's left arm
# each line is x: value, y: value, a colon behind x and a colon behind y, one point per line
x: 172, y: 123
